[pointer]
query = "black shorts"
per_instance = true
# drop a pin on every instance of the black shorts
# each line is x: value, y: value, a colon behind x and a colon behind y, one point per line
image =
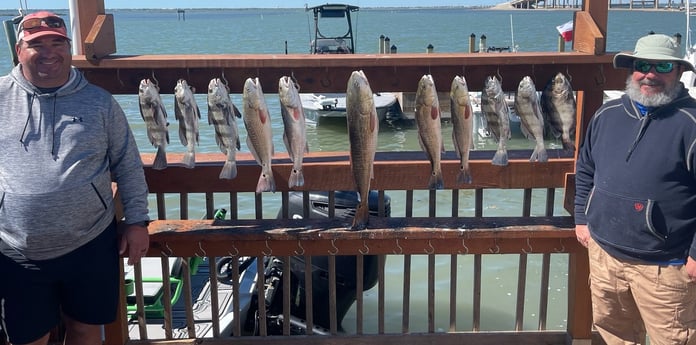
x: 82, y: 284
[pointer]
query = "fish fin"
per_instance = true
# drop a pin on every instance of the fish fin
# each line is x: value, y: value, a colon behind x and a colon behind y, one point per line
x: 362, y: 216
x: 189, y: 159
x: 500, y: 158
x: 539, y: 154
x: 266, y: 182
x: 436, y: 181
x: 296, y: 178
x: 160, y: 162
x: 464, y: 176
x: 236, y: 111
x: 229, y: 170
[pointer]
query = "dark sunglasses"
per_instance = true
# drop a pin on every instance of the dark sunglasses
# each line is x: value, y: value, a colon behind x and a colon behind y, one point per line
x: 49, y: 22
x: 660, y: 67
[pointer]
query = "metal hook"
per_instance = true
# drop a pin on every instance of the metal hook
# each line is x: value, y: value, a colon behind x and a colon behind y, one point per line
x: 466, y: 249
x: 236, y: 251
x: 154, y: 79
x: 570, y: 77
x: 200, y: 246
x: 603, y: 78
x: 401, y: 250
x: 170, y: 251
x: 299, y: 244
x: 270, y: 251
x: 333, y: 246
x: 118, y: 77
x: 294, y: 80
x: 432, y: 249
x: 223, y: 78
x: 524, y: 250
x: 497, y: 247
x: 367, y: 249
x: 560, y: 241
x: 497, y: 75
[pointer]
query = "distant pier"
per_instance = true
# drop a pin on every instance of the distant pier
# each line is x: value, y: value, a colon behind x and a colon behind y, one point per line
x: 613, y: 4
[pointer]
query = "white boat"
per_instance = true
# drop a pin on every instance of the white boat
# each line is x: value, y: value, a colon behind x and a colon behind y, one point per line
x: 689, y: 78
x: 317, y: 107
x: 321, y: 106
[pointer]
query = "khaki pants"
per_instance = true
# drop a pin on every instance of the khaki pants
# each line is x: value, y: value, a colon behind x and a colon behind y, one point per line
x: 630, y: 298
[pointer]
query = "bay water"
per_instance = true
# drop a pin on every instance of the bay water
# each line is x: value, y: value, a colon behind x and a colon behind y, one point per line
x: 277, y: 31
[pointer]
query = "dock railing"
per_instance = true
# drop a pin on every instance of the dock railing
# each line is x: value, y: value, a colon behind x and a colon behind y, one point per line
x: 452, y: 232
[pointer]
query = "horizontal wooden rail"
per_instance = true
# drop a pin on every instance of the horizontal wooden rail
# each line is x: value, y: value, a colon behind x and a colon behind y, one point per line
x: 323, y: 73
x: 331, y: 171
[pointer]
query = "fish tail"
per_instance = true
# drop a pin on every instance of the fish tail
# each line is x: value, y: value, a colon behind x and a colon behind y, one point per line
x: 189, y: 159
x: 362, y: 216
x: 266, y: 182
x: 160, y: 162
x: 464, y: 176
x: 296, y: 178
x: 436, y: 181
x: 500, y: 158
x: 539, y: 154
x: 229, y: 170
x: 568, y: 144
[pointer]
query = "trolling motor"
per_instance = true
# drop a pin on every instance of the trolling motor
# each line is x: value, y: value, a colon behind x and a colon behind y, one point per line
x: 346, y: 281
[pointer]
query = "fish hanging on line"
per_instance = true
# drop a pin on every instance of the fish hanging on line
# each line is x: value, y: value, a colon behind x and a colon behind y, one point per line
x: 462, y: 116
x: 187, y: 113
x: 495, y: 108
x: 363, y: 127
x: 294, y: 134
x: 155, y: 117
x: 222, y: 114
x: 429, y: 128
x: 257, y: 121
x: 559, y: 107
x: 531, y: 119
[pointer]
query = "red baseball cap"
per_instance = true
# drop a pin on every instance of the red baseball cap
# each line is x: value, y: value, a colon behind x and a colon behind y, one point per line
x: 39, y: 24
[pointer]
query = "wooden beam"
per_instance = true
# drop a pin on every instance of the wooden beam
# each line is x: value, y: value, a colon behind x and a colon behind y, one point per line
x: 588, y: 38
x: 87, y: 12
x: 101, y: 40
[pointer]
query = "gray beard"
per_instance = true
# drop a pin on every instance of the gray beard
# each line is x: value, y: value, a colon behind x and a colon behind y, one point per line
x: 662, y: 98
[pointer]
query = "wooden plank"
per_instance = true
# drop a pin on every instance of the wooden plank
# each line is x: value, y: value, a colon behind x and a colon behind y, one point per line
x: 100, y: 41
x: 392, y: 171
x: 392, y: 72
x: 588, y: 37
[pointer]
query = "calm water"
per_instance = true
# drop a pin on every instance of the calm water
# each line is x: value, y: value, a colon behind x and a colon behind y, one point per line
x: 448, y: 30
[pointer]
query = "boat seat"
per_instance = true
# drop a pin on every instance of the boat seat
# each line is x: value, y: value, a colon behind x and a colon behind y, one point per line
x: 153, y: 285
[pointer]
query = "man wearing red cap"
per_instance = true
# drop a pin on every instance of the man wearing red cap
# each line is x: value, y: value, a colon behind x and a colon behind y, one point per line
x: 63, y: 142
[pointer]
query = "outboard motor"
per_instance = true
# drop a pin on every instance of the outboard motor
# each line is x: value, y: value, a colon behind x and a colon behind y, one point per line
x: 346, y: 284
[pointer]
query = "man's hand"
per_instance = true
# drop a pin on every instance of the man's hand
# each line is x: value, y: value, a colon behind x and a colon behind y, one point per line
x: 135, y: 239
x: 582, y: 233
x: 691, y: 268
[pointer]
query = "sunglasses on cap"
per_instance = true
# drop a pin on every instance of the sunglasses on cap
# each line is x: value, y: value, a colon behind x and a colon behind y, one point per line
x: 49, y: 22
x: 643, y: 66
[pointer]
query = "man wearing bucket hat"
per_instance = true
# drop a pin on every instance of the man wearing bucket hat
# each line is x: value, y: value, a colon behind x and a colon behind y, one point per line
x: 63, y: 142
x: 635, y: 201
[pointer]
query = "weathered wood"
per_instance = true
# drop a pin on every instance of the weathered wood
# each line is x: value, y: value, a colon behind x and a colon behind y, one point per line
x: 100, y: 41
x: 324, y: 73
x: 331, y: 171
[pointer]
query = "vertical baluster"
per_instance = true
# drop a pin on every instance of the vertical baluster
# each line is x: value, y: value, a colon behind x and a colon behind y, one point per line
x: 188, y: 297
x: 453, y: 293
x: 214, y: 300
x: 233, y: 211
x: 261, y: 295
x: 183, y: 206
x: 236, y: 322
x: 140, y: 300
x: 359, y: 286
x: 286, y: 293
x: 380, y: 293
x: 431, y: 293
x: 477, y: 294
x: 405, y: 313
x: 166, y: 295
x: 258, y: 206
x: 309, y: 298
x: 161, y: 207
x: 333, y: 322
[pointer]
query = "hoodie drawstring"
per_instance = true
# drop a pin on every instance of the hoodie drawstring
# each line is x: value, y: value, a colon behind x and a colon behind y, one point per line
x: 30, y: 100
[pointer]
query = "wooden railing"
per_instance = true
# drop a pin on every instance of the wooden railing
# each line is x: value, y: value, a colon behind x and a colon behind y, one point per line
x: 539, y: 232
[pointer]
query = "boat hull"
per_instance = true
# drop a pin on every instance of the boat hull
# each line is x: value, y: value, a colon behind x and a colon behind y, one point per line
x: 317, y: 107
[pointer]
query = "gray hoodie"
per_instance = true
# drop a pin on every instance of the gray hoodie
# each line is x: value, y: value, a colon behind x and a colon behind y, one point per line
x: 59, y: 153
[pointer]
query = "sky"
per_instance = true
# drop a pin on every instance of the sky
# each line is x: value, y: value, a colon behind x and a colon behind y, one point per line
x: 38, y: 4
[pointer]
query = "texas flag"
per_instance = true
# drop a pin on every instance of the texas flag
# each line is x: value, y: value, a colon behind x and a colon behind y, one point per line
x: 566, y: 30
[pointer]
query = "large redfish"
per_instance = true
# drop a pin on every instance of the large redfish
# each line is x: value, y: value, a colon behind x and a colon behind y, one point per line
x: 462, y: 126
x: 363, y: 127
x: 257, y: 121
x: 294, y: 135
x: 429, y: 128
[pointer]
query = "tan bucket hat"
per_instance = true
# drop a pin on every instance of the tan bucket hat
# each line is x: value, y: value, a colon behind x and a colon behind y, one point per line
x: 656, y: 47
